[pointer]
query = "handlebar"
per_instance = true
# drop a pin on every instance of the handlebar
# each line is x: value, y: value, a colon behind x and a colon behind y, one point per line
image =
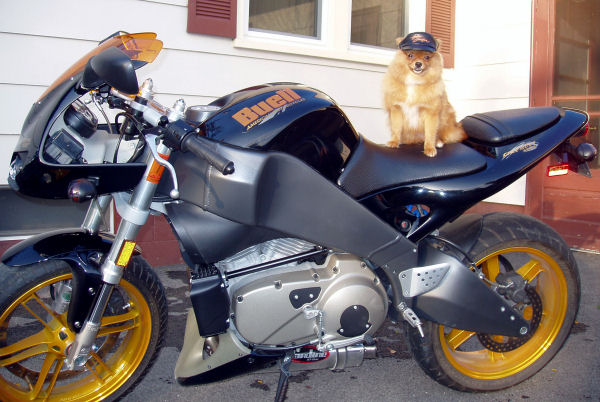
x: 178, y: 134
x: 207, y: 150
x: 181, y: 135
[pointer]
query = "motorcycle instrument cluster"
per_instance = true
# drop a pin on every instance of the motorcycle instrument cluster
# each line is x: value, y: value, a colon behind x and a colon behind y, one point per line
x: 62, y: 146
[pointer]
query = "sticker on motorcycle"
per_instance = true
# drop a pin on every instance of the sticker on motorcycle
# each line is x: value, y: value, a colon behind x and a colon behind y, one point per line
x: 265, y: 110
x: 523, y: 147
x: 309, y: 354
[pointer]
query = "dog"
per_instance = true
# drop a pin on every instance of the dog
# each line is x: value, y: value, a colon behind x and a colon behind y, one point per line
x: 415, y: 96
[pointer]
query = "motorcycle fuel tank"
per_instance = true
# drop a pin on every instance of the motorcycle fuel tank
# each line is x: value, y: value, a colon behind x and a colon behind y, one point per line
x: 285, y: 117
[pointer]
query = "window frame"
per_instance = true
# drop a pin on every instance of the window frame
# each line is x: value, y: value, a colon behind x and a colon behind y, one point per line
x: 334, y: 42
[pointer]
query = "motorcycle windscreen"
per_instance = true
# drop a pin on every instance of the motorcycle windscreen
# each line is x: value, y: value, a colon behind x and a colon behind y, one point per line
x: 142, y: 48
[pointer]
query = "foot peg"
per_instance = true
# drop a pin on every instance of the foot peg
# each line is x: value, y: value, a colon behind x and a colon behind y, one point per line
x: 409, y: 315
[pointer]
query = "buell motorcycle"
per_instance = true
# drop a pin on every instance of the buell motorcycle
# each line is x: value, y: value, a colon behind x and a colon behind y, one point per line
x: 300, y: 235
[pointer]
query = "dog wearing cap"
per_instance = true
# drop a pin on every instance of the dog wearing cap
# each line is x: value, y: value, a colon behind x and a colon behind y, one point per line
x: 415, y: 96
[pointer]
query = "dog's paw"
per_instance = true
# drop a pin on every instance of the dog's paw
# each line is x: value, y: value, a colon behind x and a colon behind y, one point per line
x: 393, y: 143
x: 439, y: 144
x: 430, y: 151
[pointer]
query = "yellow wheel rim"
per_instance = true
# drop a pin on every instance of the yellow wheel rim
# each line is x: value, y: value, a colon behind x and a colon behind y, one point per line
x: 541, y: 271
x: 34, y: 340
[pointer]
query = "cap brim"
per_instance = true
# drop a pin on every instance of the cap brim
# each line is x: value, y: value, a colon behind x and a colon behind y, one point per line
x: 426, y: 48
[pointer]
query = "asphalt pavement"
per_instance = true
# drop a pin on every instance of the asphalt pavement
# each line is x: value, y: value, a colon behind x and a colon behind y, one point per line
x: 573, y: 375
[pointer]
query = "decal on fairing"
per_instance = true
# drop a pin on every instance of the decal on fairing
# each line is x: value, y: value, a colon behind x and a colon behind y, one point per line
x: 309, y: 354
x: 522, y: 147
x: 265, y: 110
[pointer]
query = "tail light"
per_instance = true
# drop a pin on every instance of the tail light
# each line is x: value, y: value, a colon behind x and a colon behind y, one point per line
x: 573, y: 158
x: 558, y: 170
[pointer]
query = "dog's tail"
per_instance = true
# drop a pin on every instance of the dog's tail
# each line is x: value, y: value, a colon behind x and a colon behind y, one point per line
x: 453, y: 133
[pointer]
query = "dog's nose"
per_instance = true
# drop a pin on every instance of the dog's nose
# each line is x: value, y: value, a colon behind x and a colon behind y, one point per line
x: 418, y: 64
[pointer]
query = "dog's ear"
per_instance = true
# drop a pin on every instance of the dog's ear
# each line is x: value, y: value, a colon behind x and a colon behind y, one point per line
x: 398, y: 40
x: 438, y: 44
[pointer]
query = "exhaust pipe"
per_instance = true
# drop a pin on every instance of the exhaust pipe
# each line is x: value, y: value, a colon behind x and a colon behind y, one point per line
x: 310, y: 358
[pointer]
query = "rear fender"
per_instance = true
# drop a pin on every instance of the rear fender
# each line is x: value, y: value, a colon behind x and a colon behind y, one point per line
x: 464, y: 231
x: 78, y: 248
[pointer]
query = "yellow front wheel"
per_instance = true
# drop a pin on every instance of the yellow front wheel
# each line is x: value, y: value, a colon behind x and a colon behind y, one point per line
x: 35, y: 337
x: 519, y: 247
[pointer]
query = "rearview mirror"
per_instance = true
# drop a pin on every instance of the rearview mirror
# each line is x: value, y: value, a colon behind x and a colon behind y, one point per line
x: 113, y: 67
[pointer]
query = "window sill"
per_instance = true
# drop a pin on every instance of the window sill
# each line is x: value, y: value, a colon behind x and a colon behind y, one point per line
x: 315, y: 48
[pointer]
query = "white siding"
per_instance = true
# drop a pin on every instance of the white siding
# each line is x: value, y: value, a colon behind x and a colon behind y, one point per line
x: 40, y: 39
x: 492, y: 59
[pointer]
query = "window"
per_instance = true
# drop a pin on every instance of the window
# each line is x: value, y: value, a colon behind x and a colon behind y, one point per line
x: 350, y: 30
x: 378, y: 22
x: 295, y: 17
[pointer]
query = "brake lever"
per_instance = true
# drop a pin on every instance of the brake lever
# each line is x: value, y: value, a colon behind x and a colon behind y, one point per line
x: 151, y: 140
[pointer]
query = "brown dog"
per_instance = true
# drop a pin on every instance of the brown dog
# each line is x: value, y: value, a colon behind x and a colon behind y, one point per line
x: 415, y: 96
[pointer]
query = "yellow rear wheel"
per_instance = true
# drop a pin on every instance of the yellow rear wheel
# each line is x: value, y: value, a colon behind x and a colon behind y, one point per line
x: 469, y: 361
x: 35, y: 338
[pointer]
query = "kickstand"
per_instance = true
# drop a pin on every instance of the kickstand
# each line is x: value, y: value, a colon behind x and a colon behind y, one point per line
x: 284, y: 376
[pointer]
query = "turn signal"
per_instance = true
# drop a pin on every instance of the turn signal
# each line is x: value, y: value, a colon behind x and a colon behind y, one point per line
x: 558, y: 170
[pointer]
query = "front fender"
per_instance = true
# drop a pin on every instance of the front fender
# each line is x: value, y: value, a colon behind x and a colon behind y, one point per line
x: 78, y: 248
x: 59, y: 244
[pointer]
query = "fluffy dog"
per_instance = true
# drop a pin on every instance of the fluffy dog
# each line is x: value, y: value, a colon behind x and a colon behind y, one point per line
x: 415, y: 96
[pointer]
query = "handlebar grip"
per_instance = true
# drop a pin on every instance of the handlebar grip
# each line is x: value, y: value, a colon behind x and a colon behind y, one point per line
x: 207, y: 150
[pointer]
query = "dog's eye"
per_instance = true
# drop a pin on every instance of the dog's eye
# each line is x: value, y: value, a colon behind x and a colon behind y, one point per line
x: 427, y: 57
x: 410, y: 55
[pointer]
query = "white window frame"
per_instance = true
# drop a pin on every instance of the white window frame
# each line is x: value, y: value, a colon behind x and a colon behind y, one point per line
x: 334, y: 41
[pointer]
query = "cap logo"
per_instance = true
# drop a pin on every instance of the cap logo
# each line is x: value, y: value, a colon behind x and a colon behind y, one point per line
x: 420, y: 38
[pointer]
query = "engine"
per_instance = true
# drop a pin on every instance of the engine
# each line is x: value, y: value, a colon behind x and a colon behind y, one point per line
x: 296, y: 304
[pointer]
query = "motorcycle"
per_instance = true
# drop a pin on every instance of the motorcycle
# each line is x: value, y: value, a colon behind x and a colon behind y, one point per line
x: 301, y: 237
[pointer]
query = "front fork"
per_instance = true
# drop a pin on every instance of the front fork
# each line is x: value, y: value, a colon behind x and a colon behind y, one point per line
x: 134, y: 213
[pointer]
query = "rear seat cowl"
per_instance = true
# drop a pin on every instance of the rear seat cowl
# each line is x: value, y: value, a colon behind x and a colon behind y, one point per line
x: 507, y: 126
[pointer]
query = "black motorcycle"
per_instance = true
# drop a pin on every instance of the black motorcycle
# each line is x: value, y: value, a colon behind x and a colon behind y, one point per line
x: 301, y: 237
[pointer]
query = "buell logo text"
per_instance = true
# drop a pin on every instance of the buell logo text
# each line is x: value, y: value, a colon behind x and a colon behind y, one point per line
x: 264, y: 110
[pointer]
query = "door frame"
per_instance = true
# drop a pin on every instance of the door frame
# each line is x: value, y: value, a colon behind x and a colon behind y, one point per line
x: 540, y: 90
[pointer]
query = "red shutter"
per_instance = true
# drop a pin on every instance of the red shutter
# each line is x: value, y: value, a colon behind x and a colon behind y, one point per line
x: 212, y: 17
x: 440, y: 23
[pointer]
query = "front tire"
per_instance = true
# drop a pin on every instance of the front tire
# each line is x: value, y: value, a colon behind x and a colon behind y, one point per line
x: 508, y: 242
x: 34, y: 338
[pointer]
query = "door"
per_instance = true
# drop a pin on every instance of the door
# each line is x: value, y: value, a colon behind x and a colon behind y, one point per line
x: 566, y: 72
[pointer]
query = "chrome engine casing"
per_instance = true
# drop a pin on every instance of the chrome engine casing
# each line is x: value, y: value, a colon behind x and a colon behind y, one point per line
x: 289, y: 305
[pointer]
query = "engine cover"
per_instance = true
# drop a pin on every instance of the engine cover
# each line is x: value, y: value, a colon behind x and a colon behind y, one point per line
x: 287, y: 307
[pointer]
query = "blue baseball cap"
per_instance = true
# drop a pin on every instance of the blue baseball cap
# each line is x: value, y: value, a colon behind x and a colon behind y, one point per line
x: 419, y: 41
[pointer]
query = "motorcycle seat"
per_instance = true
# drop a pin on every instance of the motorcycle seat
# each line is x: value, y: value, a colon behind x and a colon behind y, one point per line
x: 374, y: 167
x: 507, y: 126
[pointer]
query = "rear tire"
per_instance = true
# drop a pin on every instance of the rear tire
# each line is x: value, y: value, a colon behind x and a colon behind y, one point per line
x: 458, y: 359
x: 34, y: 339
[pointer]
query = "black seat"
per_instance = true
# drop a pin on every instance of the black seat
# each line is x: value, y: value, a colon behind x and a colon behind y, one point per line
x: 374, y: 167
x: 506, y: 126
